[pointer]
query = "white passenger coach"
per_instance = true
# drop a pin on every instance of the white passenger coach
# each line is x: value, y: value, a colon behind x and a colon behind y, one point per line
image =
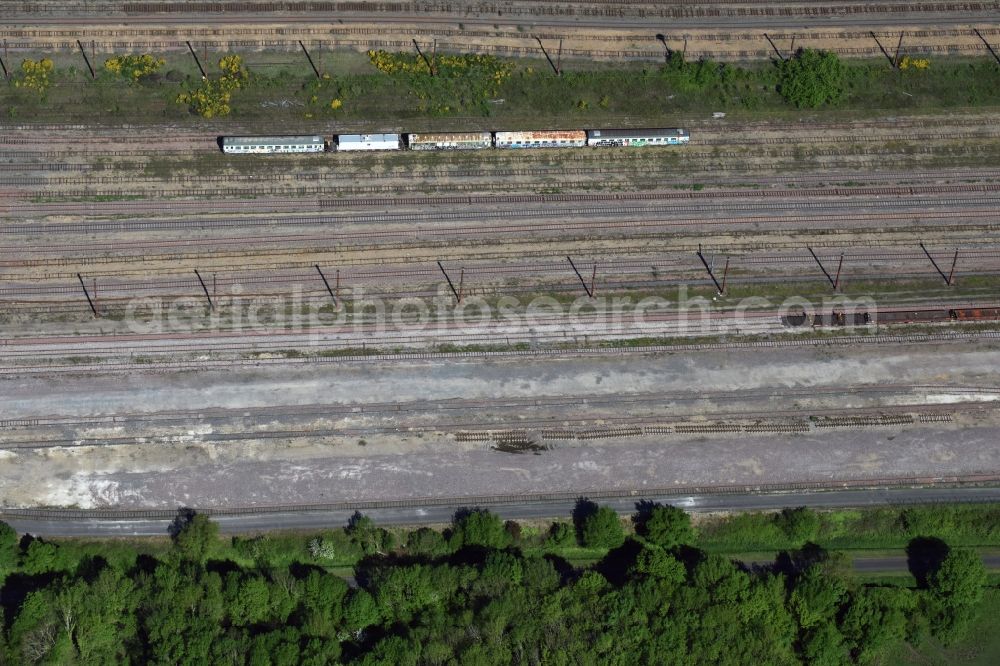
x: 273, y: 144
x: 637, y: 137
x: 349, y: 142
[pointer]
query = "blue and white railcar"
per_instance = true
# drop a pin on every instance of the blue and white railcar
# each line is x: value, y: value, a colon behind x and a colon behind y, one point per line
x: 241, y: 145
x: 637, y: 137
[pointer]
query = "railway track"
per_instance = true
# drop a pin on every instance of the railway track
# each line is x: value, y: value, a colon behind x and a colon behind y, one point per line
x: 265, y: 415
x: 495, y: 168
x: 47, y: 132
x: 595, y: 494
x: 544, y: 14
x: 847, y: 181
x: 413, y: 268
x: 530, y: 433
x: 143, y: 134
x: 287, y: 187
x: 809, y: 194
x: 188, y: 305
x: 757, y: 207
x: 751, y: 46
x: 475, y: 237
x: 492, y: 171
x: 205, y: 364
x: 324, y: 173
x: 478, y: 253
x: 153, y: 351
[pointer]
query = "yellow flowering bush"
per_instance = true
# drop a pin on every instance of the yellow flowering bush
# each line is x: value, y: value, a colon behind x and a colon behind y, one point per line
x: 212, y: 98
x: 916, y: 63
x: 234, y: 74
x: 456, y: 83
x: 133, y: 67
x: 35, y: 75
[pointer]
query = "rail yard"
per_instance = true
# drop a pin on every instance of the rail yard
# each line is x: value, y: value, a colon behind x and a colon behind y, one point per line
x: 804, y: 299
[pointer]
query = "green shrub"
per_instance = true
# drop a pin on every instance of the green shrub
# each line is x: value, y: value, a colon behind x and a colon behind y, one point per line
x: 427, y: 542
x: 799, y: 525
x: 560, y: 535
x: 479, y: 528
x: 812, y: 78
x: 665, y: 526
x: 602, y: 529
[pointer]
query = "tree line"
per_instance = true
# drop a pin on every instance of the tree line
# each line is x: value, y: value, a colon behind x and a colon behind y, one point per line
x: 470, y: 595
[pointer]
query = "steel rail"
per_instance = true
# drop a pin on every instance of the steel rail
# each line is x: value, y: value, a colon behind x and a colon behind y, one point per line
x: 202, y: 365
x: 873, y: 482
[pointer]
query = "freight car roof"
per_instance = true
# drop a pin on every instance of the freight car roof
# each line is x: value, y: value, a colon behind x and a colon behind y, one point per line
x: 544, y: 134
x: 630, y: 133
x: 272, y: 140
x: 451, y: 136
x: 362, y: 138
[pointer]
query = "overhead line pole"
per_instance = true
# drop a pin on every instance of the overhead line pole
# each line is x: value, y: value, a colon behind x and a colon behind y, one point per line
x: 196, y: 61
x: 836, y: 281
x: 6, y: 74
x: 430, y: 66
x: 582, y: 281
x: 934, y: 263
x: 819, y: 263
x: 336, y: 304
x: 951, y: 273
x: 208, y: 297
x: 980, y: 36
x: 708, y: 268
x: 93, y: 308
x: 309, y: 58
x: 771, y: 42
x: 555, y: 68
x: 899, y: 44
x: 882, y: 49
x: 458, y: 296
x: 93, y: 74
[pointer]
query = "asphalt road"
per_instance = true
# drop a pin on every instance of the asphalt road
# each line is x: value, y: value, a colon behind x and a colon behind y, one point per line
x: 317, y: 520
x: 873, y: 565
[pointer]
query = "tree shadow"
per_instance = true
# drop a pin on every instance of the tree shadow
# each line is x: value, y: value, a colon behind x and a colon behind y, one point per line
x: 563, y: 567
x: 616, y: 564
x: 793, y: 562
x: 582, y: 510
x: 184, y: 516
x: 464, y: 512
x: 689, y: 556
x: 90, y: 567
x: 16, y: 588
x: 223, y: 567
x: 924, y: 556
x: 643, y: 511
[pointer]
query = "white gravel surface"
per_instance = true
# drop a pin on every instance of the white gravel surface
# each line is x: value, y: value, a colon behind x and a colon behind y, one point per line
x: 382, y: 430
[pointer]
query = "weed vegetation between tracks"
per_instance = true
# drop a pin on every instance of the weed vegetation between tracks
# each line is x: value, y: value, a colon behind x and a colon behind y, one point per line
x: 523, y: 93
x: 594, y: 590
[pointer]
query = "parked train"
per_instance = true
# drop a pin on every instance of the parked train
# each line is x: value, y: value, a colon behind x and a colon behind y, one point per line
x: 241, y: 145
x: 836, y: 319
